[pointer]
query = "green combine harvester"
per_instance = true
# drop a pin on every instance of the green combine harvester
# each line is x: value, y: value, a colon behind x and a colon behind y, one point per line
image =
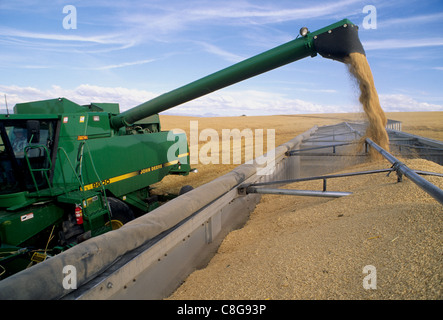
x: 70, y: 172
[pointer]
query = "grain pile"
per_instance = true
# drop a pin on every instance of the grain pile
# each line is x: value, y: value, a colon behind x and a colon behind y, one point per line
x: 316, y: 248
x: 359, y: 67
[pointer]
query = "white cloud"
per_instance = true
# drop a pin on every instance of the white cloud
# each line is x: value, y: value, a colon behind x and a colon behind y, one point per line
x: 100, y: 39
x: 413, y: 20
x: 220, y: 52
x: 251, y: 102
x: 401, y: 102
x: 67, y: 42
x: 124, y: 64
x: 402, y: 43
x: 267, y: 14
x: 83, y: 94
x: 222, y: 103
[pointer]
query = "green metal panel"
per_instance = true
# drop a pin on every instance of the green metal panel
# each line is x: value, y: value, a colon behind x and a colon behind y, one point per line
x: 14, y: 199
x: 28, y: 116
x: 17, y: 227
x: 92, y: 124
x: 106, y: 107
x: 137, y: 161
x: 95, y: 212
x: 52, y: 106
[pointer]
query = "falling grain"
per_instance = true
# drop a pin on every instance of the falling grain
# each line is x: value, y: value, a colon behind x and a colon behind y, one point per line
x: 359, y: 67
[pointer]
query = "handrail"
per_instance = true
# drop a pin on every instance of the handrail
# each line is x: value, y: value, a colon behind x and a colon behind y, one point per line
x: 402, y: 169
x: 72, y: 167
x: 44, y: 170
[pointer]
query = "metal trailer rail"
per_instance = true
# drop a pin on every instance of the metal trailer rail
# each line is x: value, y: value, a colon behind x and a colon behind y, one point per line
x: 402, y: 169
x: 341, y: 141
x: 410, y: 145
x: 331, y: 148
x: 405, y: 144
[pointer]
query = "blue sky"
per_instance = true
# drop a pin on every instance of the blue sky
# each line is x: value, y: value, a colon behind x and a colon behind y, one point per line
x: 132, y: 51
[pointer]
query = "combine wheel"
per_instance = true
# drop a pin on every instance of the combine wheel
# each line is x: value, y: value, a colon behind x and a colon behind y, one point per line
x: 120, y: 212
x: 185, y: 189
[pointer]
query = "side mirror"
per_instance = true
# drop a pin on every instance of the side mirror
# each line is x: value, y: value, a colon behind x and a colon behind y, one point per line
x: 33, y: 131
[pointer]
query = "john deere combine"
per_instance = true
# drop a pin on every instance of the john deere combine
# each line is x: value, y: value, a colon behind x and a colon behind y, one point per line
x: 69, y: 172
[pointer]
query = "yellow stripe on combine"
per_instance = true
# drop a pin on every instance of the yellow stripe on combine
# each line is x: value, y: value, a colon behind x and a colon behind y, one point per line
x: 132, y: 174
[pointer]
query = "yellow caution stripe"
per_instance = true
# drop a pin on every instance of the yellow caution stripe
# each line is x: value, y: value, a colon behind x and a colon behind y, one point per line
x: 132, y: 174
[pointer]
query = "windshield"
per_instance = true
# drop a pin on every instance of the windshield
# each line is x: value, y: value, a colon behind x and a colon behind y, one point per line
x: 23, y: 147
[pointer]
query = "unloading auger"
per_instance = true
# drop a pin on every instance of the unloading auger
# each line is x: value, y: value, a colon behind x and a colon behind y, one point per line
x: 336, y: 42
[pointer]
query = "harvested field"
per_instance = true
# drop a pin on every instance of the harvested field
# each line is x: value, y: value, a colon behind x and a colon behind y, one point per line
x: 425, y: 124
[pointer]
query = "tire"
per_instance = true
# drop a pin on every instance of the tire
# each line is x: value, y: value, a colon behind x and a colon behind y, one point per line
x: 121, y: 213
x: 185, y: 189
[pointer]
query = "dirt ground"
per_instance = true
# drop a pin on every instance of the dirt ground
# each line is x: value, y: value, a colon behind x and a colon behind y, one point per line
x: 317, y: 248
